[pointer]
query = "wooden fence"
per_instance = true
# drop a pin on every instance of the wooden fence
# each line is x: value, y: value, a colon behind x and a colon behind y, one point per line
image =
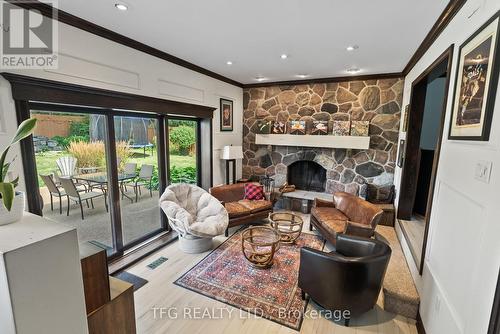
x: 54, y: 125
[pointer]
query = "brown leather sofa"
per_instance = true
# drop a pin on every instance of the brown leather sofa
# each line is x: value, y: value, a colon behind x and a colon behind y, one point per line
x: 241, y: 211
x: 346, y: 214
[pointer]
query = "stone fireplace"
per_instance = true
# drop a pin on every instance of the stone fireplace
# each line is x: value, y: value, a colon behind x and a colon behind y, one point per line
x: 368, y: 173
x: 307, y: 175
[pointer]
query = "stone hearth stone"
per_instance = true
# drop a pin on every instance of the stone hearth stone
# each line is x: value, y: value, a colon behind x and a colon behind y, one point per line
x: 370, y: 98
x: 329, y: 108
x: 369, y: 169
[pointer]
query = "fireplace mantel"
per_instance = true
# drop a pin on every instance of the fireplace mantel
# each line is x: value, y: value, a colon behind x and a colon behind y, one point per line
x: 325, y: 141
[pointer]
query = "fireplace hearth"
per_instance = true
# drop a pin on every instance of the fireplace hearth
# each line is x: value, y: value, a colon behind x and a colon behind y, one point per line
x: 307, y: 175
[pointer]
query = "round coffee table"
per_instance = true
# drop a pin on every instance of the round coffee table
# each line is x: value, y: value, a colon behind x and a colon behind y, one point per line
x: 258, y: 244
x: 289, y: 225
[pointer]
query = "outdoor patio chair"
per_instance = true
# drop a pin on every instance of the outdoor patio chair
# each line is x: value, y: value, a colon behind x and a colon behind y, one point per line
x: 72, y: 194
x: 145, y: 179
x: 67, y: 167
x: 128, y: 169
x: 55, y: 189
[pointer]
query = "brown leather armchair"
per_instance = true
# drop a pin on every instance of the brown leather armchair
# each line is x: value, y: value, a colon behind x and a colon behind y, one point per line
x: 241, y: 211
x: 346, y: 214
x: 347, y: 279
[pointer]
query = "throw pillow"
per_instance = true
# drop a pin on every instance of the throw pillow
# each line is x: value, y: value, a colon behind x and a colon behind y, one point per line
x: 254, y: 191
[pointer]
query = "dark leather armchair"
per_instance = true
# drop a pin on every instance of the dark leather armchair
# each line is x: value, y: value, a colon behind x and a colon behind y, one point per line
x: 349, y: 278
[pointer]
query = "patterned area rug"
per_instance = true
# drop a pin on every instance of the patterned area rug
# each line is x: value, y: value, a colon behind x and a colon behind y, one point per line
x: 225, y: 275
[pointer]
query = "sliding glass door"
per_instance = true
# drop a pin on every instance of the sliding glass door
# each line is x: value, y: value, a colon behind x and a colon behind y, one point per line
x: 71, y: 164
x: 103, y: 170
x: 138, y: 176
x: 183, y: 150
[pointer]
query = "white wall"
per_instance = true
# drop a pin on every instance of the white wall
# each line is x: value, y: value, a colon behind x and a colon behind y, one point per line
x: 90, y: 60
x: 463, y: 252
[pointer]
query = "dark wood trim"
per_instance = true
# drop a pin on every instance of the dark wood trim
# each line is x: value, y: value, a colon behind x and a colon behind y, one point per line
x: 437, y: 153
x: 442, y: 22
x: 494, y: 326
x: 41, y: 90
x: 34, y: 200
x: 141, y: 252
x: 411, y: 165
x: 420, y: 324
x: 163, y: 162
x: 95, y: 29
x: 327, y: 80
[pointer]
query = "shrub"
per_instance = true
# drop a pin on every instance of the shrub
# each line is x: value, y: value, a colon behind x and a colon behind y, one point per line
x: 183, y: 174
x: 88, y: 154
x: 65, y: 141
x: 81, y: 128
x: 182, y: 138
x: 123, y: 153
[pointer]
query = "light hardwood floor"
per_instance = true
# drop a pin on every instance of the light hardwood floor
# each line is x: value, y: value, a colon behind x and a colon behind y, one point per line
x: 160, y: 292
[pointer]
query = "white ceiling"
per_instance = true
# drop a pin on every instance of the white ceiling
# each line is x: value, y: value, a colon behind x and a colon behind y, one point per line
x: 253, y: 34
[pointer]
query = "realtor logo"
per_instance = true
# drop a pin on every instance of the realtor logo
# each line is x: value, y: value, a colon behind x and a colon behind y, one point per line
x: 29, y: 39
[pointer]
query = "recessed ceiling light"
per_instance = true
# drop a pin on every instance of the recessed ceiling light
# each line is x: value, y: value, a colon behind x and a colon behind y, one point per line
x: 284, y: 56
x: 260, y: 79
x: 121, y: 6
x: 302, y: 76
x: 229, y: 62
x: 352, y: 47
x: 353, y: 70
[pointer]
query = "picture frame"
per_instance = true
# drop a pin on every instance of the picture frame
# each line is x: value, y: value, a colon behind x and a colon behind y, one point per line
x: 298, y: 127
x: 278, y: 127
x: 264, y: 127
x: 401, y: 152
x: 476, y: 83
x: 226, y: 115
x: 360, y: 128
x: 319, y: 128
x: 341, y: 128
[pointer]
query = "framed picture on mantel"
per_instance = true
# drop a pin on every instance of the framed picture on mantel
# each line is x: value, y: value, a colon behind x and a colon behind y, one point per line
x: 476, y: 84
x: 226, y: 115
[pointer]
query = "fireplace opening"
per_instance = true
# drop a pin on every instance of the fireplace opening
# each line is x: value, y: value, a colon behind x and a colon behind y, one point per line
x: 307, y: 175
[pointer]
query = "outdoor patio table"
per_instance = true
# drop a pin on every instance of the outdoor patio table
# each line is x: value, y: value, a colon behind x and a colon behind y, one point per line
x: 102, y: 179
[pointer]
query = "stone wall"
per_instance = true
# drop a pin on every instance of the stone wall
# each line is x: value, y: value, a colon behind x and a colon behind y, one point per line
x: 377, y: 101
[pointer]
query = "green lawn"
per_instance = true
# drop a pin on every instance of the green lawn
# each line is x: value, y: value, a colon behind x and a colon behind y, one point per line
x: 46, y: 161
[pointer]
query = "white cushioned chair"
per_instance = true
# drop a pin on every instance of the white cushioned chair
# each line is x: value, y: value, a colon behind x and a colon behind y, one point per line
x: 195, y: 214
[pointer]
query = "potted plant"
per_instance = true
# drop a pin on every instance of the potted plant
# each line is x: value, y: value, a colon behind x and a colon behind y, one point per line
x: 12, y: 206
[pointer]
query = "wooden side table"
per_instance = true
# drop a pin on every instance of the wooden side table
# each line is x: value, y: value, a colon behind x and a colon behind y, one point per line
x: 258, y: 244
x: 289, y: 225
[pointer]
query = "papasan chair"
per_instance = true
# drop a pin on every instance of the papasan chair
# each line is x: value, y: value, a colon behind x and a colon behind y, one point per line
x: 195, y: 215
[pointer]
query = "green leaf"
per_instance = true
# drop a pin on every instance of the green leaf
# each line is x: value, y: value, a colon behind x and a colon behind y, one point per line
x: 3, y: 166
x: 7, y: 192
x: 24, y: 130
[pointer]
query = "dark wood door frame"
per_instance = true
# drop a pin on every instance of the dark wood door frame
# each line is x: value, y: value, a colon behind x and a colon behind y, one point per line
x: 494, y: 326
x: 410, y: 170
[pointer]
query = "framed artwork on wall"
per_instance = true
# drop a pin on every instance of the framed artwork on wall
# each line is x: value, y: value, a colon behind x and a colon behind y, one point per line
x: 264, y: 127
x: 360, y: 128
x: 476, y: 84
x: 226, y: 115
x: 298, y: 127
x: 341, y: 128
x: 319, y: 128
x: 279, y: 127
x: 401, y: 152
